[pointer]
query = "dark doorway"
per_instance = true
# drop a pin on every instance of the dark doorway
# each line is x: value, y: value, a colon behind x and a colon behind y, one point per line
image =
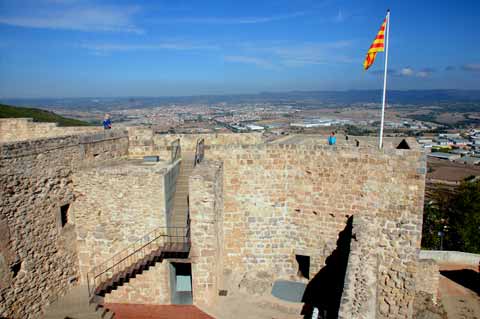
x: 324, y: 291
x: 181, y: 283
x: 303, y: 266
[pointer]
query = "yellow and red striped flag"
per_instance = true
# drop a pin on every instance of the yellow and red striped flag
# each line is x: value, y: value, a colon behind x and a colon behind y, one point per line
x: 378, y: 45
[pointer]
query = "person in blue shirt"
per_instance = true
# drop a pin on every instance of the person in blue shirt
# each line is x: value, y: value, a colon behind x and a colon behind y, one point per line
x: 107, y: 123
x: 332, y: 140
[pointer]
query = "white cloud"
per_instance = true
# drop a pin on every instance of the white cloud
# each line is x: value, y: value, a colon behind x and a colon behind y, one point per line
x: 80, y: 18
x: 407, y: 71
x: 423, y: 74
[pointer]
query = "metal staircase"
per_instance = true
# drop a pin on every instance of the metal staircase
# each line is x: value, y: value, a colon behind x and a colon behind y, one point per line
x: 161, y: 243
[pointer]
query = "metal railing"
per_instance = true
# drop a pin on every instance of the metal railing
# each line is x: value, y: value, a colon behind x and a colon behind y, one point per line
x: 160, y: 239
x: 199, y: 151
x: 176, y: 150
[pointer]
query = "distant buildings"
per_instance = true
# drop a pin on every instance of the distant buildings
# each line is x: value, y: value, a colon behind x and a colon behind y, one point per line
x: 459, y: 147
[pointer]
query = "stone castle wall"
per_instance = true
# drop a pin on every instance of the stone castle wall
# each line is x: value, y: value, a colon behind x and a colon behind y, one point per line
x: 283, y: 200
x: 144, y: 141
x: 253, y: 208
x: 21, y: 129
x: 206, y: 213
x: 359, y: 296
x: 116, y: 205
x: 37, y: 258
x: 428, y: 277
x: 150, y: 287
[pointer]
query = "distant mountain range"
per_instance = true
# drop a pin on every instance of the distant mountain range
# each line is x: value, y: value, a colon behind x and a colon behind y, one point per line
x: 299, y: 98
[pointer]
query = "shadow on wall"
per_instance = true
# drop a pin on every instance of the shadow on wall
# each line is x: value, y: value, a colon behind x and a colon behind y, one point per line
x: 468, y: 278
x: 324, y: 291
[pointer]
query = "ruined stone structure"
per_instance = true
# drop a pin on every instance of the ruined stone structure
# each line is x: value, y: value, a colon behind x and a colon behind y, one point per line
x: 343, y: 220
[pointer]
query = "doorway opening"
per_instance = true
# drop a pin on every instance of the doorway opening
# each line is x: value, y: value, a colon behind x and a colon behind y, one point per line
x: 181, y: 283
x: 303, y: 266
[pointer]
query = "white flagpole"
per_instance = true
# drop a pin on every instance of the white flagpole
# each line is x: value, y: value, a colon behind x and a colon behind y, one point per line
x: 384, y: 81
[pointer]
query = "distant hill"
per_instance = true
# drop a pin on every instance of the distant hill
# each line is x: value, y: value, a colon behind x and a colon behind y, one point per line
x: 8, y: 111
x: 444, y: 98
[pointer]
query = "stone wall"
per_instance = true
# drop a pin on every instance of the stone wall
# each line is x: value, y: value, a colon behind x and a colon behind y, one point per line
x: 283, y: 200
x: 116, y: 204
x: 150, y: 287
x: 170, y: 186
x: 427, y: 278
x: 205, y: 189
x: 144, y: 141
x: 359, y: 297
x: 37, y: 255
x: 21, y: 129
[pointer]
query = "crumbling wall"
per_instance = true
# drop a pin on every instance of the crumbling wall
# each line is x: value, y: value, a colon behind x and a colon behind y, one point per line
x: 37, y: 255
x: 206, y: 208
x: 282, y: 200
x: 21, y: 129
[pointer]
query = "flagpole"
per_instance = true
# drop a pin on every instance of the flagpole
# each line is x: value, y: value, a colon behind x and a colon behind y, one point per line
x: 384, y: 81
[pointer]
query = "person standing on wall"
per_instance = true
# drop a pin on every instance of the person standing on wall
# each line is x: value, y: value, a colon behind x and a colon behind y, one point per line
x: 332, y: 139
x: 107, y: 123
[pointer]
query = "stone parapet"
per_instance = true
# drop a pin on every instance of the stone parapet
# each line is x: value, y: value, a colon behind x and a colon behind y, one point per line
x: 450, y: 256
x: 21, y: 129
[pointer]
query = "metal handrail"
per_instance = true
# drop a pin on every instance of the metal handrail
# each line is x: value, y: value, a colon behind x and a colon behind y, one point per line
x: 136, y: 252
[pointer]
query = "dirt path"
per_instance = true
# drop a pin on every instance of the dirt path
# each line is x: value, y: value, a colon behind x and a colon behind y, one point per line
x: 459, y: 302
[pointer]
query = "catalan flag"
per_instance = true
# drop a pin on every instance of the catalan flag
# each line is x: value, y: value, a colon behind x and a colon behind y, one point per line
x: 378, y: 45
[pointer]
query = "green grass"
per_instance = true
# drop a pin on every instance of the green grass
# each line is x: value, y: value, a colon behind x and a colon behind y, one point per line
x: 38, y: 115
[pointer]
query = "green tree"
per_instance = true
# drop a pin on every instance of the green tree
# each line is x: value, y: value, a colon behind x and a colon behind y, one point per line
x: 465, y: 217
x: 455, y: 213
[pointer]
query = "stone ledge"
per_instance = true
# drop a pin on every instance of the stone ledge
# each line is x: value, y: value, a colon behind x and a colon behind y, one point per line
x: 451, y: 256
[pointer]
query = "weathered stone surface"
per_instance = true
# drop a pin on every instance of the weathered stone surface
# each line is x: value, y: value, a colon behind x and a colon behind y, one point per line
x: 21, y: 129
x: 253, y: 208
x: 206, y: 213
x: 35, y: 181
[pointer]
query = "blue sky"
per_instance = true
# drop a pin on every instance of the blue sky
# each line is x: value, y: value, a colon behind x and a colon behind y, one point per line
x: 68, y: 48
